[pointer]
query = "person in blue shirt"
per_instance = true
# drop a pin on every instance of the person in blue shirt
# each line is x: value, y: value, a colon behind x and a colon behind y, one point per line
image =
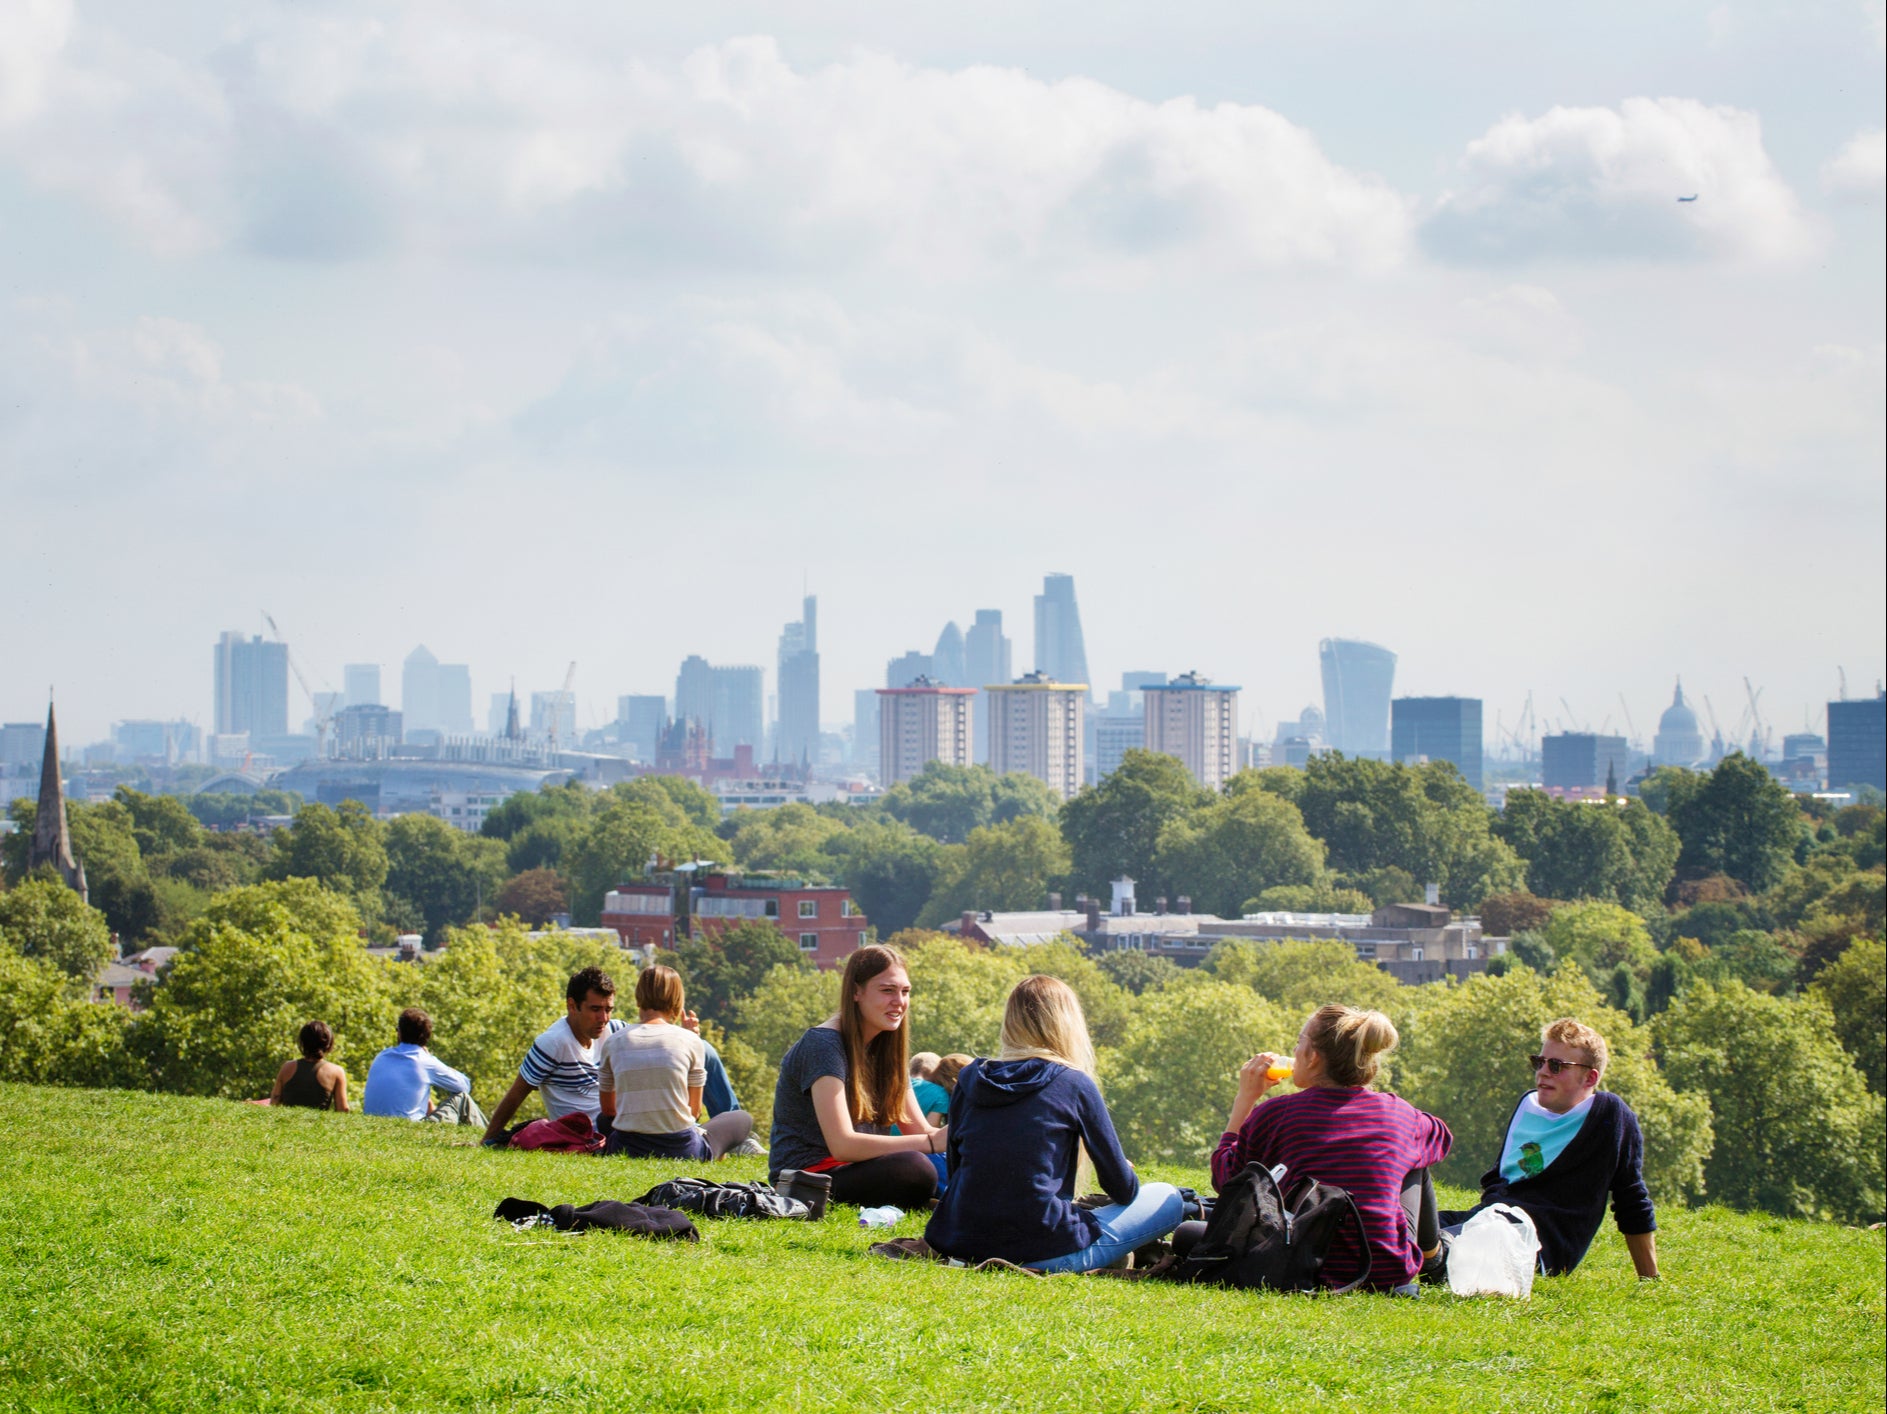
x: 402, y: 1078
x: 1020, y: 1126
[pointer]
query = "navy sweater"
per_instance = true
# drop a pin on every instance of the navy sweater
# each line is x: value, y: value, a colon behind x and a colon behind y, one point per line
x: 1014, y: 1127
x: 1567, y: 1199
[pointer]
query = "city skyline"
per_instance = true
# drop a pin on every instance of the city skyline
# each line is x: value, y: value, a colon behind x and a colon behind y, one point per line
x: 301, y: 317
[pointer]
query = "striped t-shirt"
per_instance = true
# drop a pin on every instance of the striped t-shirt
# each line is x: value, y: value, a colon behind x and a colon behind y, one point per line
x: 564, y: 1070
x: 1365, y: 1141
x: 650, y: 1068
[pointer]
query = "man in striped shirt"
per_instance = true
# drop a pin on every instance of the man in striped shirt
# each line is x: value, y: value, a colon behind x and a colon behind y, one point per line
x: 562, y: 1062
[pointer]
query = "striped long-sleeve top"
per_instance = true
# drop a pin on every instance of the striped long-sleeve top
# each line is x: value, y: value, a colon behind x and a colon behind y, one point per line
x: 1365, y: 1141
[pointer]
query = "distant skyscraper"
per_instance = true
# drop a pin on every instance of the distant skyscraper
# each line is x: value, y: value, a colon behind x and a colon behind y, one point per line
x: 947, y: 663
x: 730, y: 702
x: 1440, y: 729
x: 1857, y: 743
x: 1036, y: 727
x: 1195, y: 719
x: 907, y: 669
x: 1121, y: 726
x: 360, y: 685
x: 497, y: 709
x: 986, y: 659
x: 919, y: 723
x: 554, y: 710
x: 1583, y: 760
x: 694, y: 690
x: 434, y: 696
x: 639, y: 722
x: 1680, y: 738
x: 865, y: 718
x: 1061, y: 652
x: 455, y: 698
x: 251, y: 686
x: 799, y: 686
x: 1359, y: 679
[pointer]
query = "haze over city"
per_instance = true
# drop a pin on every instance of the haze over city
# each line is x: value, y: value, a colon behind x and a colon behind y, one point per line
x: 610, y: 339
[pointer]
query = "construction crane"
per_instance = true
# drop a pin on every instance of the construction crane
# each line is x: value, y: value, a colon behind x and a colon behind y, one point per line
x: 1759, y: 734
x: 556, y: 705
x: 323, y: 712
x: 1572, y: 716
x: 1630, y: 726
x: 1716, y: 732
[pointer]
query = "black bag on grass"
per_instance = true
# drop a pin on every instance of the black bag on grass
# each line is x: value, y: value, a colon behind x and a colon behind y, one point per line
x: 1260, y: 1236
x: 724, y: 1200
x: 604, y: 1213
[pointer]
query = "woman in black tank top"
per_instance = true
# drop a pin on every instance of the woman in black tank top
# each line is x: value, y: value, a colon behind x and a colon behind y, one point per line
x: 313, y: 1082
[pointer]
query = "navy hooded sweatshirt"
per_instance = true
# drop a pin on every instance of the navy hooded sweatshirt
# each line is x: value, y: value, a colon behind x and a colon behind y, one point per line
x: 1014, y: 1131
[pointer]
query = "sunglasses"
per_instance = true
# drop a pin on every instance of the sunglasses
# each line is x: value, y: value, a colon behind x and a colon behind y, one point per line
x: 1554, y: 1067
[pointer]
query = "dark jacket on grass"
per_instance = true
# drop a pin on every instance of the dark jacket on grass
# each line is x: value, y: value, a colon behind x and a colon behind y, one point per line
x: 1566, y: 1200
x: 1014, y: 1128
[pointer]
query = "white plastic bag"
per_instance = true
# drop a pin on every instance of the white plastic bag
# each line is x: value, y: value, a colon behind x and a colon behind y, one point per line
x: 1496, y: 1254
x: 879, y: 1217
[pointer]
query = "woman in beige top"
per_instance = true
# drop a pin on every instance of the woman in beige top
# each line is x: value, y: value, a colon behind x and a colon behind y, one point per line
x: 651, y: 1076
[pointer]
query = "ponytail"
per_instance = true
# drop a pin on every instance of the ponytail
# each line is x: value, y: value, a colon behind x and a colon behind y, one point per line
x: 1352, y: 1043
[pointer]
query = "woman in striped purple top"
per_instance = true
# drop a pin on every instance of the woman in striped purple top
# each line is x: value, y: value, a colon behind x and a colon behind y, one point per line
x: 1337, y: 1130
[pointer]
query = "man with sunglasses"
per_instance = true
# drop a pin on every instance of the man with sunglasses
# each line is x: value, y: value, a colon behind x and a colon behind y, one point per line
x: 1569, y: 1147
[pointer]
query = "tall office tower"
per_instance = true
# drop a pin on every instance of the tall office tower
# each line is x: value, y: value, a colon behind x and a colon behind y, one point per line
x: 1583, y: 761
x: 1061, y: 652
x: 908, y: 668
x: 694, y: 690
x: 555, y: 713
x: 865, y: 718
x: 419, y: 691
x: 251, y: 686
x: 1439, y: 728
x: 1359, y: 679
x: 1680, y: 738
x: 1120, y: 726
x: 947, y: 662
x: 497, y: 712
x: 455, y: 698
x: 740, y: 697
x: 1857, y: 743
x: 1195, y: 719
x: 798, y: 739
x: 921, y: 723
x: 360, y: 685
x: 1036, y: 726
x: 639, y: 722
x: 985, y: 660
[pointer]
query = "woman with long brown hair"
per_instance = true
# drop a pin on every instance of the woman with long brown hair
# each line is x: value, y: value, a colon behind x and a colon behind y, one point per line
x: 1018, y: 1127
x: 845, y: 1084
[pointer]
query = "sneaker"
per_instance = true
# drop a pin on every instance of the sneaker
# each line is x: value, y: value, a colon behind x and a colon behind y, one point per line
x: 748, y: 1148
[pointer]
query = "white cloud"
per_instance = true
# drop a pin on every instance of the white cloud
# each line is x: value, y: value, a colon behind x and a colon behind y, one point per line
x: 1603, y: 183
x: 1860, y: 168
x: 336, y: 135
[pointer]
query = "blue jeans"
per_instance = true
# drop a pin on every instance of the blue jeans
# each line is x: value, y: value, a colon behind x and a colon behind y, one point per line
x: 717, y: 1095
x: 1155, y: 1211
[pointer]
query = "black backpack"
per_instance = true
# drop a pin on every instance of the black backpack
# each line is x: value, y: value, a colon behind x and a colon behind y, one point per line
x: 1262, y: 1236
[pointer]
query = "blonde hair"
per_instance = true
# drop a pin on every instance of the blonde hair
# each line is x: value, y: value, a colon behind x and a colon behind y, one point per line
x: 1043, y: 1020
x: 1351, y: 1042
x: 924, y: 1065
x: 660, y: 989
x: 1571, y: 1032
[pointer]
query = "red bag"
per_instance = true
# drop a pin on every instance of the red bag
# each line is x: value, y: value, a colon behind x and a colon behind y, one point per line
x: 573, y: 1134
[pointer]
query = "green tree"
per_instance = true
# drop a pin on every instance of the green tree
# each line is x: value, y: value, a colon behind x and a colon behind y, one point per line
x: 1463, y: 1057
x: 1740, y: 821
x: 947, y: 802
x: 957, y: 992
x: 1798, y: 1131
x: 260, y: 962
x: 1854, y: 989
x: 51, y: 1034
x: 617, y: 844
x: 890, y: 869
x: 1324, y: 897
x: 696, y: 804
x: 1238, y: 846
x: 44, y: 920
x: 1114, y: 828
x: 107, y: 846
x: 789, y: 999
x: 1573, y: 850
x: 1751, y: 957
x: 535, y: 896
x: 792, y: 837
x: 567, y: 800
x: 226, y: 810
x: 1503, y: 915
x: 1002, y: 867
x: 722, y: 967
x: 1302, y: 976
x: 1170, y: 1084
x: 343, y: 849
x: 161, y: 824
x: 1138, y: 972
x: 1599, y: 936
x: 442, y: 872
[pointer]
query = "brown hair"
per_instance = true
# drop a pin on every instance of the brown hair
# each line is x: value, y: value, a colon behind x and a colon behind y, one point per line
x: 415, y: 1027
x: 316, y: 1039
x: 877, y: 1075
x: 949, y: 1068
x: 1351, y: 1042
x: 660, y: 989
x: 1581, y: 1037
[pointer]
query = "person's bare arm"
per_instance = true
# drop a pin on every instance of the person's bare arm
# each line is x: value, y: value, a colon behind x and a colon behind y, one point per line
x: 1643, y: 1247
x: 281, y: 1079
x: 340, y: 1090
x: 508, y: 1106
x: 914, y: 1120
x: 845, y: 1143
x: 694, y: 1099
x: 1253, y: 1085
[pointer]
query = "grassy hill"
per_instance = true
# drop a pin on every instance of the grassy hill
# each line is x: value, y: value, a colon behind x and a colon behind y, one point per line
x: 160, y: 1253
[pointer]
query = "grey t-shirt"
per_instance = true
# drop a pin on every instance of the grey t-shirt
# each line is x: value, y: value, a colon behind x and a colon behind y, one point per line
x: 797, y: 1141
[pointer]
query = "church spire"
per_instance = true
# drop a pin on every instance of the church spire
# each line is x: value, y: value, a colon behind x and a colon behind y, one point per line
x: 52, y: 843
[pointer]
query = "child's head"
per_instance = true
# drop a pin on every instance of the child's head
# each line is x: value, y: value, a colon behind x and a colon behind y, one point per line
x: 924, y: 1065
x: 949, y: 1068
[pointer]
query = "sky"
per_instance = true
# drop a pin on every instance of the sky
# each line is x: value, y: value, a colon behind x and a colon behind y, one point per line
x: 599, y: 333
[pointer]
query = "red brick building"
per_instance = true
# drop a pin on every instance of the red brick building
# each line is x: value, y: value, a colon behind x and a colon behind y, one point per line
x: 821, y: 918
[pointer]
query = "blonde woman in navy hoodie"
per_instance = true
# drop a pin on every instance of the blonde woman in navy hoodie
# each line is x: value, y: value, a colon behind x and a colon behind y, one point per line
x: 1018, y: 1127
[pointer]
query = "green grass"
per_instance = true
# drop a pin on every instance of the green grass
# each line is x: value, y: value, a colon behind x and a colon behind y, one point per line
x: 174, y: 1254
